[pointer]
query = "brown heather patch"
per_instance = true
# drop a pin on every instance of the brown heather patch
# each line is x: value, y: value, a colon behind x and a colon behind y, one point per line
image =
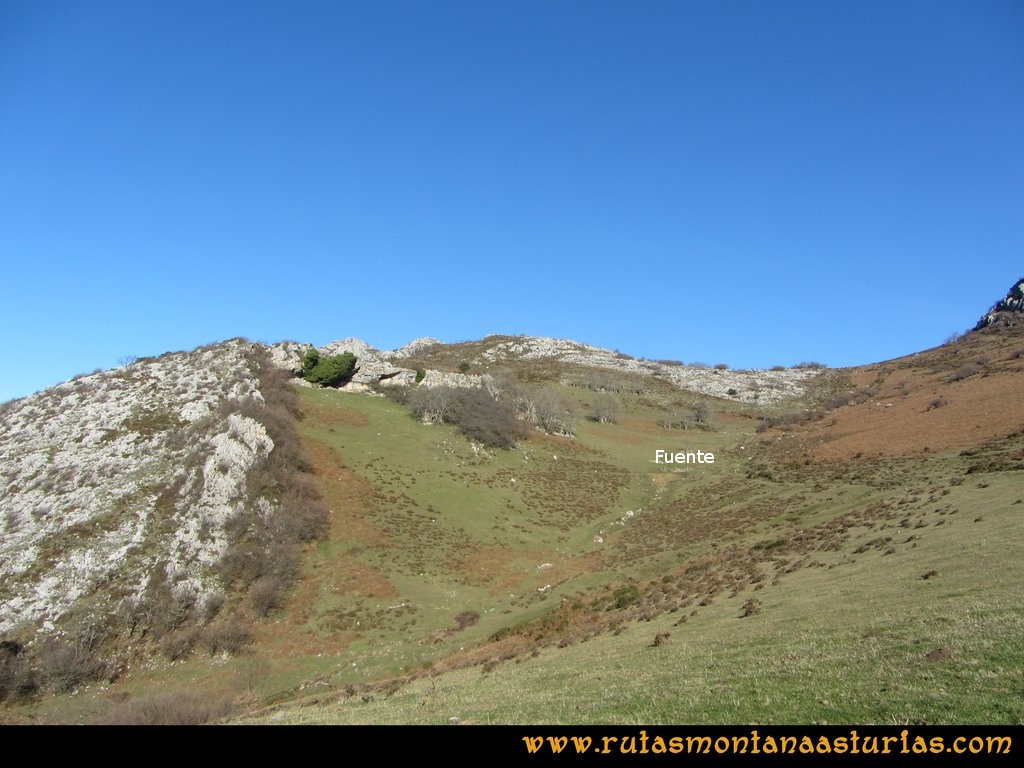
x: 290, y: 640
x: 589, y: 562
x: 504, y: 569
x: 887, y: 409
x: 350, y: 577
x: 976, y: 410
x: 345, y: 493
x: 302, y: 631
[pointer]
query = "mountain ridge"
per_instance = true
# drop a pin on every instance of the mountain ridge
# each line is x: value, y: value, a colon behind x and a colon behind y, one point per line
x: 399, y: 366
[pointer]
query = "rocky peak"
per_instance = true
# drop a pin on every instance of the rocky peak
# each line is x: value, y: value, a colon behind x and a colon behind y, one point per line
x: 1006, y: 310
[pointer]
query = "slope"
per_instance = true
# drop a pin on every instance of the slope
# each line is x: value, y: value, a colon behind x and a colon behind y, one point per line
x: 790, y: 585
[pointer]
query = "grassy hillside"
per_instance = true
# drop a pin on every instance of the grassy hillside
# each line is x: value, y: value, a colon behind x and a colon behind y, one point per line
x: 859, y: 561
x: 876, y: 591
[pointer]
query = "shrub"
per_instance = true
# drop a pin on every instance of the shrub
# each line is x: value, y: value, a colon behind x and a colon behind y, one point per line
x: 473, y: 410
x: 812, y: 364
x: 463, y: 366
x: 16, y: 677
x: 174, y: 708
x: 268, y: 594
x: 839, y: 399
x: 302, y: 515
x: 65, y: 664
x: 310, y: 360
x: 466, y: 619
x: 243, y: 563
x: 328, y: 371
x: 778, y: 367
x: 966, y: 371
x: 623, y: 597
x: 176, y: 645
x: 479, y: 417
x: 751, y: 607
x: 420, y: 374
x: 432, y: 404
x: 721, y: 367
x: 228, y: 636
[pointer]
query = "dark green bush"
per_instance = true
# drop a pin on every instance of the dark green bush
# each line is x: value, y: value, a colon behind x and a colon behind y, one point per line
x: 327, y: 371
x: 624, y: 597
x: 310, y: 360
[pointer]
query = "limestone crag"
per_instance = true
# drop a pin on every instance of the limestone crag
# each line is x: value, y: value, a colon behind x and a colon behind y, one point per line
x: 112, y: 480
x: 1007, y: 311
x: 745, y: 386
x: 372, y: 366
x: 378, y: 367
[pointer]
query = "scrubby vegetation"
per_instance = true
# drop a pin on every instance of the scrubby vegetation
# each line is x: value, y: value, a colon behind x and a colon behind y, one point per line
x: 699, y: 415
x: 476, y: 413
x: 831, y: 403
x: 327, y: 371
x: 263, y: 552
x: 496, y: 414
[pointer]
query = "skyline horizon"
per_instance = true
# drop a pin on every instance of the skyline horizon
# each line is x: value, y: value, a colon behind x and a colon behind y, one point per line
x: 131, y: 357
x: 748, y: 183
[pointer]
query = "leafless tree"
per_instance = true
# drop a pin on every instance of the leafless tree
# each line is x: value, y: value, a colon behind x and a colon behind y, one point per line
x: 606, y: 408
x: 553, y: 413
x: 433, y: 404
x: 704, y: 415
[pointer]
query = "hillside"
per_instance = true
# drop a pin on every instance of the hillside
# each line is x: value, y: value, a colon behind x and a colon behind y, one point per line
x: 835, y: 567
x: 149, y: 438
x: 851, y: 554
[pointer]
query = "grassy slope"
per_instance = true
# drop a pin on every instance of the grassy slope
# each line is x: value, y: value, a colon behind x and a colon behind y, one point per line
x: 833, y: 552
x: 846, y: 627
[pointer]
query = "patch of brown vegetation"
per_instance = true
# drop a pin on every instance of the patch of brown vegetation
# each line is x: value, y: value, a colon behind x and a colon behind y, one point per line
x: 354, y: 578
x: 976, y: 410
x: 290, y: 641
x: 589, y: 562
x: 348, y: 497
x: 345, y: 492
x: 923, y: 402
x: 503, y: 569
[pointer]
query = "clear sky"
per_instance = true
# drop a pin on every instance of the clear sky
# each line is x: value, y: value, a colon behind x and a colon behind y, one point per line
x: 754, y: 183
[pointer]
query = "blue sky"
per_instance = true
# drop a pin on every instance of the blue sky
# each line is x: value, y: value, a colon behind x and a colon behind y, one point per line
x: 754, y: 183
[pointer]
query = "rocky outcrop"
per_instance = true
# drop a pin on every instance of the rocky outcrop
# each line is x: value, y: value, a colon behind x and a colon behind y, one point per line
x: 745, y: 386
x: 378, y: 367
x: 111, y: 481
x: 372, y: 365
x: 1007, y: 311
